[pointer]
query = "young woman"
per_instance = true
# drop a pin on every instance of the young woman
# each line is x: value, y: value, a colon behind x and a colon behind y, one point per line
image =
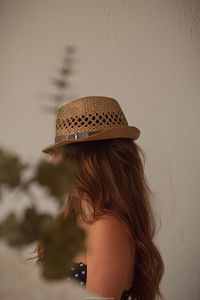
x: 122, y: 260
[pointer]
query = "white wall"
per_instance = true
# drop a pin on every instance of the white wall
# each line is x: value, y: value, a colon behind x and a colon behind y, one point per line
x: 146, y: 55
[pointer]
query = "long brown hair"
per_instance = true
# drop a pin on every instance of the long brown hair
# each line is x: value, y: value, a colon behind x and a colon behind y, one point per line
x: 111, y: 175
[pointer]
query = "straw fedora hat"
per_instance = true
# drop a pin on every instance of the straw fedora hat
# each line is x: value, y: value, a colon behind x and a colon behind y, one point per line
x: 91, y: 118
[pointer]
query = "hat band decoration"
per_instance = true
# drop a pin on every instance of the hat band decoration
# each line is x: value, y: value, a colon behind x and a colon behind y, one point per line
x: 75, y: 136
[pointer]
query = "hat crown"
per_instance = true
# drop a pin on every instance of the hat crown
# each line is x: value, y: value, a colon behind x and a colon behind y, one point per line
x: 91, y: 113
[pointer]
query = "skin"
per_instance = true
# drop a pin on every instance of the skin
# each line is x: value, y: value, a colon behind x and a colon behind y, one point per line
x: 109, y: 258
x: 55, y: 158
x: 110, y: 255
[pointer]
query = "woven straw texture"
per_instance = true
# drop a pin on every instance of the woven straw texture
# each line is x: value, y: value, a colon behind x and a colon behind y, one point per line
x: 90, y: 113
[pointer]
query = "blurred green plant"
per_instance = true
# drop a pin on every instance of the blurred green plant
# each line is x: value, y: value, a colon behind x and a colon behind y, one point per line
x: 62, y: 240
x: 10, y: 170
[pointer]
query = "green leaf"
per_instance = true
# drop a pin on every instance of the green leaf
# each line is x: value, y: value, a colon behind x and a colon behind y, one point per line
x: 19, y: 233
x: 32, y: 223
x: 58, y: 178
x: 62, y: 241
x: 10, y: 169
x: 9, y: 230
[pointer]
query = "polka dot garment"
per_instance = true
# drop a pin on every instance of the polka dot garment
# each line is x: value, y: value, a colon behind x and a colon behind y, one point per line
x: 78, y: 271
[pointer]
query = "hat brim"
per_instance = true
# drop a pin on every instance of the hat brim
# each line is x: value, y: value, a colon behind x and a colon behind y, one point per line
x: 131, y: 132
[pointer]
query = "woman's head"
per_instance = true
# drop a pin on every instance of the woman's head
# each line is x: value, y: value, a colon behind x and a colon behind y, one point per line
x: 111, y: 180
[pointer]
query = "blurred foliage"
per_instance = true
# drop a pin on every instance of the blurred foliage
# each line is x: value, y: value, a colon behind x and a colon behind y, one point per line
x: 62, y: 239
x: 19, y: 233
x: 65, y: 240
x: 10, y: 169
x: 58, y: 178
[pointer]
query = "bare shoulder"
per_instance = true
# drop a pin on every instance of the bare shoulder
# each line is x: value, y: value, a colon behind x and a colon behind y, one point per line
x: 108, y: 224
x: 109, y: 257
